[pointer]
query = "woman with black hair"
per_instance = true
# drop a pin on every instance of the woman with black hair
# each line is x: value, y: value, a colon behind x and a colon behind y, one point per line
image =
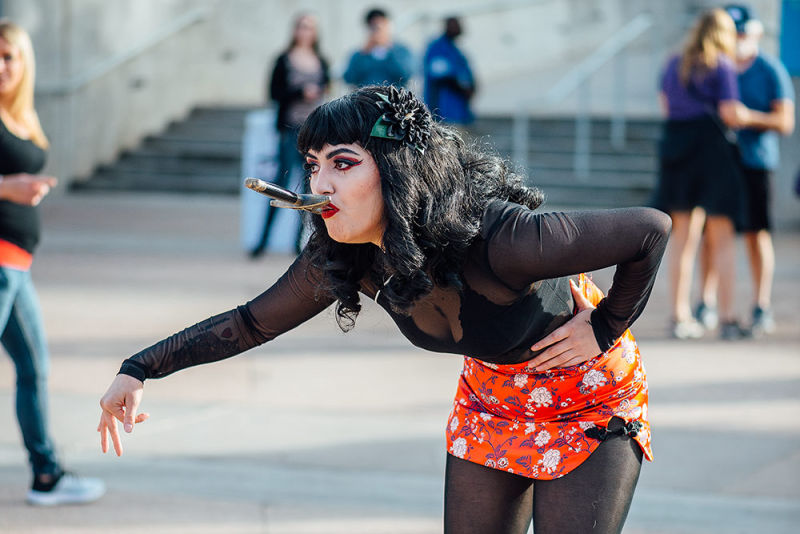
x: 550, y: 418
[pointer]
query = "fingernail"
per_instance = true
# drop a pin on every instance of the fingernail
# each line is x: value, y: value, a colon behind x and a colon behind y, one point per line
x: 128, y: 427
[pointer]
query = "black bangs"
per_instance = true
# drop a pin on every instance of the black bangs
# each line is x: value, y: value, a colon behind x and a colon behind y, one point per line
x: 346, y: 120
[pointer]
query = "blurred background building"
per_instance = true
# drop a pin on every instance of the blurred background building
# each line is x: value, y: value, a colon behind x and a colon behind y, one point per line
x: 152, y: 94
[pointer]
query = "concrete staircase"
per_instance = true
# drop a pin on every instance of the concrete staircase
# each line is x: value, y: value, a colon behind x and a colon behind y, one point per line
x: 202, y: 154
x: 618, y: 177
x: 199, y: 154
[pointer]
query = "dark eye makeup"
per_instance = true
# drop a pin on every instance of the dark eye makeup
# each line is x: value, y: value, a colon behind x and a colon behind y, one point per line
x: 344, y: 164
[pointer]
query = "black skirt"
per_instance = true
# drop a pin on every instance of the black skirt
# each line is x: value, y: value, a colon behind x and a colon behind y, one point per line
x: 699, y: 167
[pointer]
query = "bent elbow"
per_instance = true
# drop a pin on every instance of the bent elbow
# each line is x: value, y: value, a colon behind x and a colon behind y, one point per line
x: 787, y: 127
x: 660, y: 222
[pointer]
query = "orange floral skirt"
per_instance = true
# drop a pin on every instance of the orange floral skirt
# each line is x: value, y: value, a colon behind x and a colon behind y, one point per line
x: 544, y: 425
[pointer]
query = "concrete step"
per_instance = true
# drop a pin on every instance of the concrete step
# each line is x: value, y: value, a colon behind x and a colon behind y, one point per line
x: 601, y: 191
x: 597, y: 162
x: 112, y: 180
x: 605, y: 179
x: 205, y: 131
x: 566, y: 127
x: 503, y: 143
x: 159, y: 162
x: 188, y: 147
x: 589, y: 197
x: 219, y: 115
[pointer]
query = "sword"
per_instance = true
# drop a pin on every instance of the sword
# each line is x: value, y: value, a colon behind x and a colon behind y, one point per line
x: 283, y: 198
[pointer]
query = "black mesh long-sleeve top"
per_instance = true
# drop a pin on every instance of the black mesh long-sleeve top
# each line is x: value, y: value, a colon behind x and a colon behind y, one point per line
x: 515, y: 292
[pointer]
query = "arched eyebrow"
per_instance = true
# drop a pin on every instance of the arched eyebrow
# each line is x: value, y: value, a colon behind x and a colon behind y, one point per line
x: 334, y: 153
x: 343, y: 150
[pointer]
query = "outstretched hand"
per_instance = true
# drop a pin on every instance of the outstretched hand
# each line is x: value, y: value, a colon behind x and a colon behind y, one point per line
x: 571, y: 343
x: 120, y: 403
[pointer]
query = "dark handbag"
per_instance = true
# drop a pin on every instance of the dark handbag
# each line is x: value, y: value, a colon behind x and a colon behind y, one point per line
x: 677, y: 144
x: 727, y: 132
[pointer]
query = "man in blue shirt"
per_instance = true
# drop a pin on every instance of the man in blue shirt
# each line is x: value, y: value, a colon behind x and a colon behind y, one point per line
x: 382, y: 60
x: 766, y: 90
x: 449, y: 84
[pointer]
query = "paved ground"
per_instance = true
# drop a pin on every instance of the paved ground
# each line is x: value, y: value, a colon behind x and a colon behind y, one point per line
x: 322, y: 432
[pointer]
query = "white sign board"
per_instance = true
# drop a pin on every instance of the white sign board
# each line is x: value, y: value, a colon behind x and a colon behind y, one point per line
x: 260, y: 160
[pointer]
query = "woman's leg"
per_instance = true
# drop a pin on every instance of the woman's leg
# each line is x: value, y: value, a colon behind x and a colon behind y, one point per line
x: 482, y: 500
x: 24, y: 340
x: 721, y: 242
x: 762, y: 266
x: 287, y: 154
x: 594, y: 497
x: 687, y: 228
x: 708, y: 276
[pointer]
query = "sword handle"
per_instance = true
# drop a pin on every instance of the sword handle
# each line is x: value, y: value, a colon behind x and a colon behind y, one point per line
x: 271, y: 190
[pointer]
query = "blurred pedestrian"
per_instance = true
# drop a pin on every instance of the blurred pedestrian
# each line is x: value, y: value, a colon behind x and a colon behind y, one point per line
x: 766, y: 90
x: 381, y: 60
x: 449, y: 83
x: 23, y: 148
x: 297, y: 85
x: 699, y: 177
x: 550, y: 415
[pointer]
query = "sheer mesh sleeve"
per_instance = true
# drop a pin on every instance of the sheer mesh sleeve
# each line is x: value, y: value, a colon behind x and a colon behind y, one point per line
x: 292, y: 300
x: 524, y: 246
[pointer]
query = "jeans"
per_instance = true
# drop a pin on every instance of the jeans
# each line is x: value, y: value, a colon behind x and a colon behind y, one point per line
x: 24, y: 340
x: 289, y: 160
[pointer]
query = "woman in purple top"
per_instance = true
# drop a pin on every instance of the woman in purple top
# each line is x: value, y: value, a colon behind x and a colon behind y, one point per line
x: 699, y: 180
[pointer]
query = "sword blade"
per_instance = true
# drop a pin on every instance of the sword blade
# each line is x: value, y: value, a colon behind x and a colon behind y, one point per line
x: 271, y: 190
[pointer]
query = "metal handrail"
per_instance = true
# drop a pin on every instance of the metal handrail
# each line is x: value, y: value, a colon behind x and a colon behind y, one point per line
x: 110, y: 64
x: 577, y: 80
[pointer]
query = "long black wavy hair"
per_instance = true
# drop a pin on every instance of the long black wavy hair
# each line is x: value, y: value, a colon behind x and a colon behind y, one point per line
x: 433, y: 204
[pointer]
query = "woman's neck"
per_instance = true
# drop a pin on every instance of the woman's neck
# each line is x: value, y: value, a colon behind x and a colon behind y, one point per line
x: 303, y: 49
x: 14, y: 124
x: 5, y: 103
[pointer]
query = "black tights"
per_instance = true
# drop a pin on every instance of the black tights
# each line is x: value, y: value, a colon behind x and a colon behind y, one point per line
x: 594, y: 497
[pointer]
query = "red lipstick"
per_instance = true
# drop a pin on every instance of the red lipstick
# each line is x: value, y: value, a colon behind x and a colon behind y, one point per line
x: 329, y: 211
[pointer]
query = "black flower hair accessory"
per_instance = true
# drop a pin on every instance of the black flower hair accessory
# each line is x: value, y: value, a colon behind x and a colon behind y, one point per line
x: 404, y: 119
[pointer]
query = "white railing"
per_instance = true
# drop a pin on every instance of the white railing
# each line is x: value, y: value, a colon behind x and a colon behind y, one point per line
x: 578, y: 79
x: 108, y: 65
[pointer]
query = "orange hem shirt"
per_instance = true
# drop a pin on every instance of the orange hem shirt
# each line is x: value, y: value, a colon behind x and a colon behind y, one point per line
x: 14, y: 257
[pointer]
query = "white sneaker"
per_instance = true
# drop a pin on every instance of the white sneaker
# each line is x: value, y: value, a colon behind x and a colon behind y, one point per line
x: 70, y: 489
x: 689, y: 329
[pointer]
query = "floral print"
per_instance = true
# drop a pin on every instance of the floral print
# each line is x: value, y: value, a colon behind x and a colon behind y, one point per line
x: 534, y: 424
x: 459, y: 447
x: 541, y: 397
x: 542, y: 438
x: 593, y: 380
x: 453, y: 424
x: 520, y: 380
x: 550, y: 460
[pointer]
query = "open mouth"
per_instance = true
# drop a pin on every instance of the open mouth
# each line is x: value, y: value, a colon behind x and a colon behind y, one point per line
x: 329, y: 211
